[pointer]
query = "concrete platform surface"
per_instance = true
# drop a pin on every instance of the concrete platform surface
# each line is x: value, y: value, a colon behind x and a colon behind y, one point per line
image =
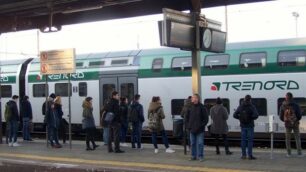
x: 35, y: 156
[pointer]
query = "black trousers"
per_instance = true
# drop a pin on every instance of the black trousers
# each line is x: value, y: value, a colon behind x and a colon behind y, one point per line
x: 62, y: 130
x: 217, y: 142
x: 114, y: 135
x: 90, y: 137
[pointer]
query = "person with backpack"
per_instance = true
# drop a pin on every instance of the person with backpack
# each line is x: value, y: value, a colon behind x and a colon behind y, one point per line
x: 136, y: 118
x: 114, y: 124
x: 290, y: 114
x: 12, y: 118
x: 123, y: 112
x: 246, y: 113
x: 196, y: 120
x: 219, y: 116
x: 156, y: 116
x: 26, y: 113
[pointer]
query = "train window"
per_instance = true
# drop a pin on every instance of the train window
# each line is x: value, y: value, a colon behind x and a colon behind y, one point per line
x: 218, y: 61
x: 292, y: 58
x: 6, y: 91
x: 209, y: 103
x: 299, y: 100
x: 253, y: 60
x: 119, y: 62
x: 107, y: 91
x: 177, y: 106
x: 82, y: 89
x: 97, y: 64
x: 79, y: 64
x: 39, y: 90
x: 157, y: 64
x: 260, y: 104
x: 127, y: 90
x: 181, y: 63
x: 61, y: 89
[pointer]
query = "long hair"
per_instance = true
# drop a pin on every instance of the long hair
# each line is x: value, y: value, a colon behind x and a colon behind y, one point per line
x: 58, y: 100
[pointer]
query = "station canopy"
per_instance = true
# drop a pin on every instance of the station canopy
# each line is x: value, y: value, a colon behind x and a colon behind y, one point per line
x: 17, y: 15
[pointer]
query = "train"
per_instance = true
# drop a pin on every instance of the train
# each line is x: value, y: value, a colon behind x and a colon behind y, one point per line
x: 266, y: 70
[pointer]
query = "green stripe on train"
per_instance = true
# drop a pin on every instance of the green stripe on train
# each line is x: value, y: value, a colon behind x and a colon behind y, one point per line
x: 7, y: 79
x: 79, y: 76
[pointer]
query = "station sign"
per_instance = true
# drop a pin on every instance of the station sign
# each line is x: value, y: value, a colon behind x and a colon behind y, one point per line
x: 57, y: 61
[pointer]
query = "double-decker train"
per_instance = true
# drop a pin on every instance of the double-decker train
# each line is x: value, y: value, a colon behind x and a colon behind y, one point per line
x: 266, y: 70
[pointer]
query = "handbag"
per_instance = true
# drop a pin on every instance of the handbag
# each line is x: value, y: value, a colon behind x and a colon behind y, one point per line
x: 109, y: 117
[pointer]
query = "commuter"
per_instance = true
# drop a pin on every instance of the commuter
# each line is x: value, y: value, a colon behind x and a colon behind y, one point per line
x: 156, y: 116
x: 53, y: 125
x: 123, y: 113
x: 114, y: 126
x: 88, y: 123
x: 196, y: 120
x: 246, y: 113
x: 104, y: 124
x: 44, y: 110
x: 290, y: 114
x: 219, y: 116
x: 62, y: 121
x: 184, y: 112
x: 136, y: 118
x: 27, y: 116
x: 12, y: 119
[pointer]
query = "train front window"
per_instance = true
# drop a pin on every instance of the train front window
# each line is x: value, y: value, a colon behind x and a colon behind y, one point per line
x: 181, y: 63
x: 39, y: 90
x: 291, y: 58
x: 127, y: 90
x: 253, y: 60
x: 218, y: 61
x: 157, y: 65
x: 6, y: 91
x: 209, y: 103
x: 299, y: 100
x: 107, y: 91
x: 260, y: 104
x: 61, y: 89
x: 82, y: 89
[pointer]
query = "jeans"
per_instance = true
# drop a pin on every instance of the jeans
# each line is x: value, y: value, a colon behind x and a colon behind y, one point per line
x: 164, y: 137
x: 136, y: 134
x: 53, y: 135
x: 13, y: 131
x: 247, y: 135
x: 105, y: 135
x: 197, y: 145
x: 113, y: 134
x: 123, y: 131
x: 297, y: 137
x: 26, y: 128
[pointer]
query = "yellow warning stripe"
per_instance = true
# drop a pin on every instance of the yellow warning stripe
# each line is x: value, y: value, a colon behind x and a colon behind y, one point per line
x: 119, y: 164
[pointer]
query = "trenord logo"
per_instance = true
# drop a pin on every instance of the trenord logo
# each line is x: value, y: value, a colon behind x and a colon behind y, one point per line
x: 255, y: 85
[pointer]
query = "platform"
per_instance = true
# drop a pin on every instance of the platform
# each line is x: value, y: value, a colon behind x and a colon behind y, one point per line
x: 35, y: 156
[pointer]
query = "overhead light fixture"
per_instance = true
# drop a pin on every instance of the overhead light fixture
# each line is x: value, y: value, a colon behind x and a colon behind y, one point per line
x: 48, y: 29
x: 82, y: 9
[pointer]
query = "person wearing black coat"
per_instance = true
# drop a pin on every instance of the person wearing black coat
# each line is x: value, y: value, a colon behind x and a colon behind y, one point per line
x: 114, y: 126
x: 196, y: 120
x: 62, y: 122
x: 13, y: 121
x: 123, y: 112
x: 27, y: 116
x: 246, y: 113
x: 53, y: 125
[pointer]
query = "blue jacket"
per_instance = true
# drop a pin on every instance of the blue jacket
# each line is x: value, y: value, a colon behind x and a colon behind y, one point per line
x: 26, y: 109
x: 252, y: 111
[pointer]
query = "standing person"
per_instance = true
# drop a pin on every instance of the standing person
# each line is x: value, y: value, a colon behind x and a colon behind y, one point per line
x: 196, y: 120
x: 88, y: 123
x: 27, y: 116
x: 156, y: 115
x: 123, y: 112
x: 13, y: 120
x: 104, y: 124
x: 290, y: 114
x: 114, y: 126
x: 184, y: 112
x: 62, y: 122
x: 53, y: 124
x: 219, y: 116
x: 246, y: 113
x: 136, y: 117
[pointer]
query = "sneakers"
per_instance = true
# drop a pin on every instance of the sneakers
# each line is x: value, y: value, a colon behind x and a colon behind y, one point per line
x: 155, y: 150
x: 288, y: 155
x: 252, y: 158
x: 243, y: 157
x: 16, y: 144
x: 10, y: 144
x: 124, y: 145
x: 192, y: 159
x: 169, y: 150
x: 201, y: 159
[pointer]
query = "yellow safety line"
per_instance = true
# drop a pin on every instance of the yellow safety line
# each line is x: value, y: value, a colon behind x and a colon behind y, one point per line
x: 119, y: 164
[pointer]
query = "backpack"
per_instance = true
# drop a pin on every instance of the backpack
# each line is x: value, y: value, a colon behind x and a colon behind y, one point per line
x: 245, y: 115
x: 153, y: 123
x: 290, y: 117
x: 133, y: 114
x: 7, y: 113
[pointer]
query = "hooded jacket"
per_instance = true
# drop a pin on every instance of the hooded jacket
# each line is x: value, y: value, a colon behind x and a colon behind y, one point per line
x: 26, y: 109
x: 219, y: 115
x: 252, y: 111
x: 157, y: 107
x: 197, y: 118
x: 88, y: 119
x: 295, y: 107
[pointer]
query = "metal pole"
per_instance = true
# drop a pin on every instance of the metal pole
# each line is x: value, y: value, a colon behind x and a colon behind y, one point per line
x: 46, y: 109
x: 0, y: 109
x: 69, y: 104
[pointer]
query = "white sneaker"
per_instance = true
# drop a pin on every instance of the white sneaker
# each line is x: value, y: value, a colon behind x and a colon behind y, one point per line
x: 288, y: 155
x: 169, y: 150
x: 16, y: 144
x: 10, y: 144
x: 124, y: 145
x: 155, y: 150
